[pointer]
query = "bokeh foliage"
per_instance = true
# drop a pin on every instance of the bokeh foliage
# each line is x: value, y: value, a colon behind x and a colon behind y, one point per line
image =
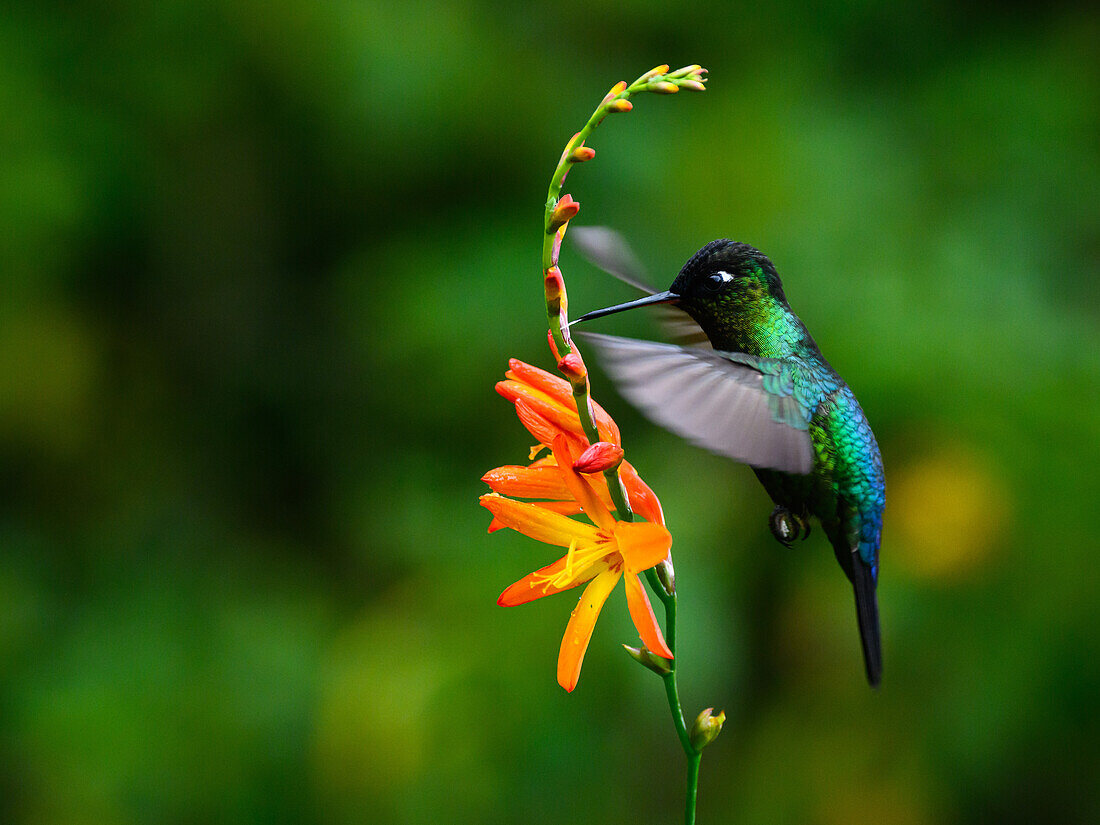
x: 261, y: 263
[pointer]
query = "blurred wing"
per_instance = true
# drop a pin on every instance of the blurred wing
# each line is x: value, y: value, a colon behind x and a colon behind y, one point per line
x: 741, y: 409
x: 608, y: 250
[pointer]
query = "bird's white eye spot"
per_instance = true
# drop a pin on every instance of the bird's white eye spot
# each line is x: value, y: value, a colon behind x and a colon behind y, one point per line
x: 716, y: 280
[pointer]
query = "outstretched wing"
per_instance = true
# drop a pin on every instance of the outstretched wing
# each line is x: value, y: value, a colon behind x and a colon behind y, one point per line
x: 732, y: 404
x: 608, y: 250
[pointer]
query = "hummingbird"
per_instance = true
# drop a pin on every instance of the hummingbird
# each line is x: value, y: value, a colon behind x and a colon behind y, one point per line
x: 761, y: 393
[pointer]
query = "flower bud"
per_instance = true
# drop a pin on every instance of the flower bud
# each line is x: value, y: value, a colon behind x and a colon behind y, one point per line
x: 663, y: 87
x: 620, y: 105
x: 564, y: 211
x: 599, y: 457
x: 554, y: 284
x: 618, y: 88
x: 556, y: 299
x: 684, y: 71
x: 692, y: 85
x: 581, y: 154
x: 666, y: 575
x: 572, y: 367
x: 706, y: 727
x: 656, y: 70
x: 643, y: 656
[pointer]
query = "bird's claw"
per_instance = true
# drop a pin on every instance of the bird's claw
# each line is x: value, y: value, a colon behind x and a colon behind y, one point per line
x: 783, y: 526
x: 786, y: 526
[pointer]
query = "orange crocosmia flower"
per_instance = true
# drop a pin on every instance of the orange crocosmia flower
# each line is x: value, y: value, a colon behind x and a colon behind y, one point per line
x: 600, y: 554
x: 545, y: 406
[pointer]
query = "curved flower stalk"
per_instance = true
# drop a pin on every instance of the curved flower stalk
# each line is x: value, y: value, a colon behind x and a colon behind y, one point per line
x: 560, y: 209
x: 585, y: 471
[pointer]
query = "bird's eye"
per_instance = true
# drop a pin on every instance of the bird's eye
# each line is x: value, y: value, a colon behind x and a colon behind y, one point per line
x: 716, y: 280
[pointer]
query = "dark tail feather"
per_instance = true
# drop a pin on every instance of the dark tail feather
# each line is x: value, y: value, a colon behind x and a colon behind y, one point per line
x: 867, y: 613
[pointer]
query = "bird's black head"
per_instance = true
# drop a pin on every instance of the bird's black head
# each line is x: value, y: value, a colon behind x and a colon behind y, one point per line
x: 730, y: 289
x: 725, y: 270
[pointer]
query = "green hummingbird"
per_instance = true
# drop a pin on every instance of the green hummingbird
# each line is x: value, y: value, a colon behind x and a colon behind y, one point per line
x: 761, y: 393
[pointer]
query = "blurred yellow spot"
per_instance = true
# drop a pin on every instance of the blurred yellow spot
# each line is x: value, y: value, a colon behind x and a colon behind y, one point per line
x: 945, y: 514
x: 47, y: 374
x: 881, y: 802
x: 371, y: 733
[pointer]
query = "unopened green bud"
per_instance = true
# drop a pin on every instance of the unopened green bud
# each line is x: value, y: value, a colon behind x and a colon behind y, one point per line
x: 706, y: 727
x: 666, y: 575
x: 643, y: 656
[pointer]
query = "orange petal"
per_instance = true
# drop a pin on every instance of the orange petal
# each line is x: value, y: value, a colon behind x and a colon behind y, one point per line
x: 605, y: 425
x: 542, y: 481
x: 579, y: 630
x: 582, y: 491
x: 641, y: 612
x: 560, y: 391
x: 642, y: 545
x: 566, y: 508
x: 557, y: 388
x: 536, y: 585
x: 528, y: 482
x: 559, y: 416
x: 495, y: 525
x: 538, y: 522
x: 643, y: 500
x: 537, y: 425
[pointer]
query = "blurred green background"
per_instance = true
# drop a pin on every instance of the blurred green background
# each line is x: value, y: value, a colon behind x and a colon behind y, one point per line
x: 261, y: 265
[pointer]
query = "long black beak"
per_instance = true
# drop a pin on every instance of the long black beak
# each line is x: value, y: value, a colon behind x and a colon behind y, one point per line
x: 648, y: 300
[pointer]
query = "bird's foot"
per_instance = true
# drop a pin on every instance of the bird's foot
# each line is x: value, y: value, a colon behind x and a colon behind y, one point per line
x: 786, y: 526
x: 783, y: 525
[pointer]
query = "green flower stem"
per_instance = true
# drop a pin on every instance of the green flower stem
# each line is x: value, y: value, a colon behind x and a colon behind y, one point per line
x: 614, y: 483
x: 662, y: 81
x: 656, y: 80
x: 672, y: 693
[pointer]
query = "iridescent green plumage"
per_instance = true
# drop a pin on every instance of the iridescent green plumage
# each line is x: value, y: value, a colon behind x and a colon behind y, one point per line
x: 767, y: 396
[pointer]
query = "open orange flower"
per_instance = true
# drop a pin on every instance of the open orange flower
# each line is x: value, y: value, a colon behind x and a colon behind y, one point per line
x: 600, y: 553
x: 545, y: 406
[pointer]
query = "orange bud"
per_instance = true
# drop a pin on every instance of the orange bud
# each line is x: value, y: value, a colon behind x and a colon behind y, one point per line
x: 564, y: 211
x: 656, y: 70
x: 572, y: 367
x: 618, y: 88
x: 554, y: 284
x: 692, y: 85
x: 599, y: 457
x: 621, y: 105
x: 581, y: 154
x: 663, y: 87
